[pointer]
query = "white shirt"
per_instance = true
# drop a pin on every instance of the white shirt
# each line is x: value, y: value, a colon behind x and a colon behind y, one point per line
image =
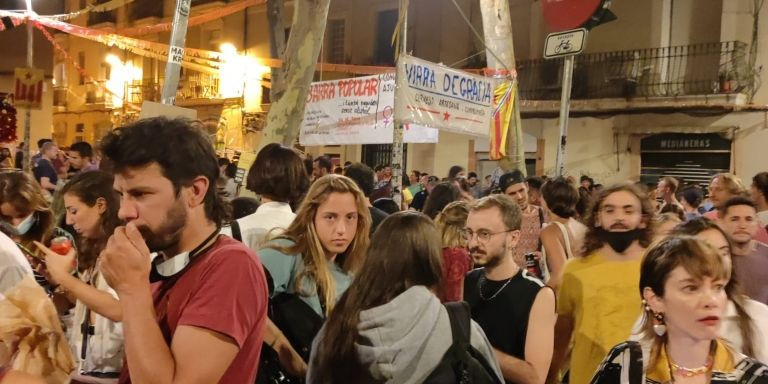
x: 731, y: 332
x: 763, y: 217
x: 13, y: 265
x: 255, y: 227
x: 105, y: 348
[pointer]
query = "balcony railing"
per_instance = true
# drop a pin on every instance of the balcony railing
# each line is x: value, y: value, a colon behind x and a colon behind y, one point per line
x: 199, y: 86
x: 700, y: 69
x: 97, y: 96
x: 138, y: 91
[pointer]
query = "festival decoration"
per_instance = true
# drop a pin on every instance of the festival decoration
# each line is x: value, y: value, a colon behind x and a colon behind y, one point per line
x: 7, y: 122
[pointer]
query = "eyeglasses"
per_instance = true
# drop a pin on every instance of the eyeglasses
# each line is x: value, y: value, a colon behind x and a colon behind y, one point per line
x: 483, y: 236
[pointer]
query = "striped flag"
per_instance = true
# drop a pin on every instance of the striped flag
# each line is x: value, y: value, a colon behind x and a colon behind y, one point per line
x: 29, y: 88
x: 503, y: 102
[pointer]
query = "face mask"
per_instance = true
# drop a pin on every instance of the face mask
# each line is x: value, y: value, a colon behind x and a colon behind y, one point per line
x: 26, y: 224
x: 619, y: 241
x: 164, y: 269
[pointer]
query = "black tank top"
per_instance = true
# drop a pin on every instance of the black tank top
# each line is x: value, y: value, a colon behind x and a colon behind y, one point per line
x: 502, y: 312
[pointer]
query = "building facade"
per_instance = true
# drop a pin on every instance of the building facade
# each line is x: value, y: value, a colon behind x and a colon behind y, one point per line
x: 685, y: 68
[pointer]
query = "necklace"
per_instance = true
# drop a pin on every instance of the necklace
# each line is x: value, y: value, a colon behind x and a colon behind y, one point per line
x: 686, y: 372
x: 482, y: 281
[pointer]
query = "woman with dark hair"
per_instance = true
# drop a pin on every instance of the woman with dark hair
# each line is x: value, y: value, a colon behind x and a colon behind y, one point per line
x: 279, y: 177
x: 682, y: 283
x: 562, y: 239
x: 389, y: 327
x: 226, y: 182
x: 91, y: 209
x: 456, y: 172
x: 440, y: 196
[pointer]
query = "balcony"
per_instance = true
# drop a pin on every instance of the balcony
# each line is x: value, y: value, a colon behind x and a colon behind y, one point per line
x: 142, y: 90
x: 197, y: 87
x: 690, y: 70
x: 97, y: 96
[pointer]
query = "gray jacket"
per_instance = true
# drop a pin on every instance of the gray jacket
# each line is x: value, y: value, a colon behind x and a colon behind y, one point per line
x: 403, y: 341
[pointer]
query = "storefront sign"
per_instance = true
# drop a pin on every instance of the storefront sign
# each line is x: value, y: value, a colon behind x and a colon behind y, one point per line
x: 356, y: 111
x: 440, y: 97
x: 680, y: 142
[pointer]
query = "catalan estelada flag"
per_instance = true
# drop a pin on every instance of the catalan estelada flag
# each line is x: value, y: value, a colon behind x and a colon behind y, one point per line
x: 503, y: 102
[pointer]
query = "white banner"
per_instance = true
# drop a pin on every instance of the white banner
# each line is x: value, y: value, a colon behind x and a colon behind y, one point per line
x: 356, y: 111
x: 440, y: 97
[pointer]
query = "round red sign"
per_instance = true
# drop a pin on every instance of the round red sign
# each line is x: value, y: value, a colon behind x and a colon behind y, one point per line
x: 562, y: 15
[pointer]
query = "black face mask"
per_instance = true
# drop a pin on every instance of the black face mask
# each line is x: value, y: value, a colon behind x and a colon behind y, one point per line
x: 619, y: 241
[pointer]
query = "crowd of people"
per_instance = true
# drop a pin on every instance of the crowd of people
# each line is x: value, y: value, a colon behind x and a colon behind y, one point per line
x: 143, y: 265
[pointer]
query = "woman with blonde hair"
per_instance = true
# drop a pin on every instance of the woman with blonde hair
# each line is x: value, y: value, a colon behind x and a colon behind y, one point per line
x: 304, y: 260
x: 682, y: 283
x: 456, y: 260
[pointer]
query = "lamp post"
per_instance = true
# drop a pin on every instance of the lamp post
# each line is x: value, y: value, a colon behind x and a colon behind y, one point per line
x: 30, y: 64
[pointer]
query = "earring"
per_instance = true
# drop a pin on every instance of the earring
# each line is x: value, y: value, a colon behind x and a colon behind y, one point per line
x: 658, y: 324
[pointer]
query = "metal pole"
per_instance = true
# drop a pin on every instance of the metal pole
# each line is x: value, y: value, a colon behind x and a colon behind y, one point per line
x: 500, y: 53
x: 397, y: 139
x: 175, y: 52
x: 30, y: 63
x: 565, y: 107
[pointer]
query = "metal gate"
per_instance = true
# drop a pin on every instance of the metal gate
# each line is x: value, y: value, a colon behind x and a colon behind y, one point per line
x: 381, y: 154
x: 691, y: 158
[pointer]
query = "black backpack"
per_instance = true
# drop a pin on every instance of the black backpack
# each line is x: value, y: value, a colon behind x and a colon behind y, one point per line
x: 462, y: 364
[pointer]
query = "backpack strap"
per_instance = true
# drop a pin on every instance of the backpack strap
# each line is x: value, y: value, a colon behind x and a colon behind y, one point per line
x: 235, y: 226
x: 458, y: 313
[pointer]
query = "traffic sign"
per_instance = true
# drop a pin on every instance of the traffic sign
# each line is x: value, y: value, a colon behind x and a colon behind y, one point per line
x: 562, y: 15
x: 565, y: 43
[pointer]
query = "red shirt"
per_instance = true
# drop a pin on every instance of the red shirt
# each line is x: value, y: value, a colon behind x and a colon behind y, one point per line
x: 456, y: 264
x: 225, y: 292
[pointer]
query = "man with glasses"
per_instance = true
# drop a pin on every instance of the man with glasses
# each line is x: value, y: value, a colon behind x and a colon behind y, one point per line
x: 515, y: 310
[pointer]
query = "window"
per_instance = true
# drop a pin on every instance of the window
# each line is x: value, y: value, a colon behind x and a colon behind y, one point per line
x: 81, y: 63
x: 80, y: 128
x: 60, y: 74
x: 335, y: 43
x: 385, y: 52
x: 380, y: 154
x: 105, y: 71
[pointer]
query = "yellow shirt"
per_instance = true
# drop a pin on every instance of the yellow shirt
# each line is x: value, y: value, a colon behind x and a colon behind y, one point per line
x: 603, y: 299
x: 407, y: 196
